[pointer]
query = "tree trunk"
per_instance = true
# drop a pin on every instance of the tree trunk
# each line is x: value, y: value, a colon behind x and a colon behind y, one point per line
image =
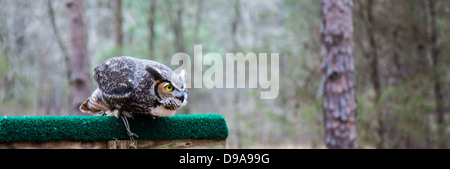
x: 234, y: 24
x: 435, y: 55
x: 62, y: 47
x: 116, y: 6
x: 79, y: 61
x: 198, y: 18
x: 374, y: 73
x: 151, y: 25
x: 237, y: 94
x: 339, y: 105
x: 178, y: 28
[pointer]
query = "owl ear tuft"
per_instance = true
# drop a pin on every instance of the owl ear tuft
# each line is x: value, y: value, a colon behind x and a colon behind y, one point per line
x: 155, y: 72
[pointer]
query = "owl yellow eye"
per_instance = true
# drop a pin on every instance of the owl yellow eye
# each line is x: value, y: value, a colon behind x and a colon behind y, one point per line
x: 169, y: 88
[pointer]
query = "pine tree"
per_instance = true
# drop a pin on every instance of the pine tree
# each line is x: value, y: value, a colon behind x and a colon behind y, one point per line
x: 339, y: 105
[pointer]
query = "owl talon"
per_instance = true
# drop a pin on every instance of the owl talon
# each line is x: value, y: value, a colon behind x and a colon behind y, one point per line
x: 116, y: 113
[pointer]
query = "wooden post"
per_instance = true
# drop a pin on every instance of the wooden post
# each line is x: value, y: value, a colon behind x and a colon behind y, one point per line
x: 118, y: 144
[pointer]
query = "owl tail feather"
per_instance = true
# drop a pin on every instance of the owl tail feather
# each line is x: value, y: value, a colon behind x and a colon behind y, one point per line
x: 94, y: 104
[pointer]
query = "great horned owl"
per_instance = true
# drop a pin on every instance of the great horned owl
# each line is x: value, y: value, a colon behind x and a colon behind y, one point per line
x: 136, y: 86
x: 128, y: 85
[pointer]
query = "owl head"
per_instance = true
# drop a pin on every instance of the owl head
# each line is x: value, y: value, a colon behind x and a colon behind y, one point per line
x: 169, y: 87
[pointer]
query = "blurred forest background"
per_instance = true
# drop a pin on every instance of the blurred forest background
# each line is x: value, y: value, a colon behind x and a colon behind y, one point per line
x: 400, y: 48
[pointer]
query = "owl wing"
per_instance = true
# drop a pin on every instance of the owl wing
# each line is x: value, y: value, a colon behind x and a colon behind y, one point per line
x: 115, y: 77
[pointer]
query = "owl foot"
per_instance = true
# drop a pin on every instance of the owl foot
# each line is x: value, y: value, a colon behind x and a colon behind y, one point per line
x: 131, y: 134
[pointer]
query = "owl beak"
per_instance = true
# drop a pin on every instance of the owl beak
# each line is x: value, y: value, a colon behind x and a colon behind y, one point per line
x: 183, y: 98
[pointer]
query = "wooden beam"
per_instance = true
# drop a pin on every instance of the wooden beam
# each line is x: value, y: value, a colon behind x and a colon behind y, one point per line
x: 121, y: 144
x: 55, y: 145
x: 182, y: 143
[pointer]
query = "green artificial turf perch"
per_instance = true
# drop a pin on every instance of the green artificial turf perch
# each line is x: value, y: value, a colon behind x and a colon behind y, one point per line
x: 99, y: 128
